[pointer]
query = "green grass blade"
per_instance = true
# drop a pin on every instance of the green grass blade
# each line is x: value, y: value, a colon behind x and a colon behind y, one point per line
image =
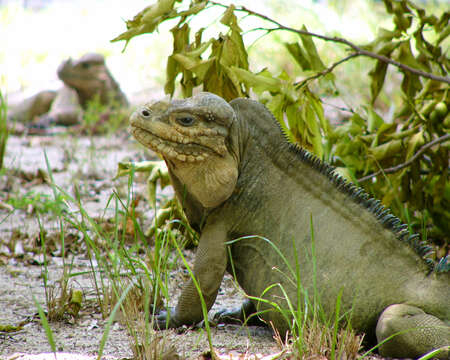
x: 111, y: 318
x: 432, y: 354
x: 45, y: 325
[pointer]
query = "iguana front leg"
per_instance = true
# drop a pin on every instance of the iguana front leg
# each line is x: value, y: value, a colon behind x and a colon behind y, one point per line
x: 413, y: 332
x: 65, y: 110
x: 209, y: 269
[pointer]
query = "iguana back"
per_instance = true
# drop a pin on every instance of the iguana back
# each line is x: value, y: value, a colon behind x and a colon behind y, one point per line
x: 281, y: 191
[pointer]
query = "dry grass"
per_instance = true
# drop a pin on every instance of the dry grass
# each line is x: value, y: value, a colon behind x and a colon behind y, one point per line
x: 317, y: 341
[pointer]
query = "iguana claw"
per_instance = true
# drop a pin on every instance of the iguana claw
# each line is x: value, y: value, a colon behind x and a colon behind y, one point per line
x: 239, y: 315
x: 166, y: 319
x: 225, y: 316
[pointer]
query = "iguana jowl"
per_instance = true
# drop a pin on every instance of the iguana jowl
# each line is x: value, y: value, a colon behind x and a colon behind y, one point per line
x: 238, y: 178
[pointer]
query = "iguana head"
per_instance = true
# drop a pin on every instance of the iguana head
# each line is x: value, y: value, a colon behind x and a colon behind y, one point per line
x: 193, y: 136
x: 88, y: 76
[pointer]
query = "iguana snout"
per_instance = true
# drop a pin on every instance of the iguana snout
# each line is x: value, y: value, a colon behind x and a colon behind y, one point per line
x: 181, y: 130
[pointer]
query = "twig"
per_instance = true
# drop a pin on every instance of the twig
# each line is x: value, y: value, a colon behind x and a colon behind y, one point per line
x: 340, y: 108
x: 358, y: 50
x: 409, y: 162
x: 326, y: 71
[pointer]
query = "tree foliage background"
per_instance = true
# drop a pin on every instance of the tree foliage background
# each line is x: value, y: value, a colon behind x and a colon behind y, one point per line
x: 404, y: 161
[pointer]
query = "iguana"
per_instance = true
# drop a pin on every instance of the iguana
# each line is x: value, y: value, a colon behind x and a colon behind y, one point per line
x: 242, y: 184
x: 83, y: 79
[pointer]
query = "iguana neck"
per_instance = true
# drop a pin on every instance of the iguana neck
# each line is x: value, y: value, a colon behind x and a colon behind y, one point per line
x: 207, y: 186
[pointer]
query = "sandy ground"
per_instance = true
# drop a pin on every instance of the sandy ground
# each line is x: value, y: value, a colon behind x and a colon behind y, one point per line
x: 91, y: 163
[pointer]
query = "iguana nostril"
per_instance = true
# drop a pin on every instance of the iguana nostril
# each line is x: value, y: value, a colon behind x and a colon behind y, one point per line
x: 145, y: 113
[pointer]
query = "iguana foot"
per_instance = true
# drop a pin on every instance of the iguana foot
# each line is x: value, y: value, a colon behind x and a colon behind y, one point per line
x: 240, y: 315
x: 41, y: 124
x: 166, y: 319
x: 414, y: 333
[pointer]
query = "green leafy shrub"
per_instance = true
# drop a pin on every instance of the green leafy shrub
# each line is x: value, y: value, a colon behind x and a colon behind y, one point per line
x: 404, y: 162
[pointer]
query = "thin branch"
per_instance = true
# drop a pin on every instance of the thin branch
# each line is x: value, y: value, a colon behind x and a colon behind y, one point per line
x: 409, y: 162
x: 358, y: 50
x: 350, y: 110
x: 326, y: 71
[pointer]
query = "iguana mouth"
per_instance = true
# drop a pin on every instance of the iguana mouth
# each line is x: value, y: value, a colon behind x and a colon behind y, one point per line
x: 177, y: 147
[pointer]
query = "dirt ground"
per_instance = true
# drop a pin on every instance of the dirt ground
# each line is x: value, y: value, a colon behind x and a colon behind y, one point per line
x: 91, y: 163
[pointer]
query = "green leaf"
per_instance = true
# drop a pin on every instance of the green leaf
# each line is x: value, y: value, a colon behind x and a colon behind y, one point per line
x: 383, y: 43
x: 314, y: 135
x: 234, y: 52
x: 443, y: 28
x: 299, y: 55
x: 388, y: 5
x: 295, y: 123
x: 180, y: 36
x: 374, y: 121
x: 229, y: 18
x: 406, y: 56
x: 416, y: 141
x: 259, y: 82
x: 318, y: 110
x: 314, y: 59
x: 172, y: 70
x: 197, y: 66
x: 194, y: 8
x: 153, y: 12
x: 304, y: 126
x: 277, y: 105
x: 200, y: 49
x: 377, y: 74
x: 354, y: 127
x: 387, y: 150
x: 386, y: 129
x: 237, y: 84
x: 352, y: 154
x: 231, y: 55
x: 147, y: 20
x: 238, y: 42
x: 410, y: 84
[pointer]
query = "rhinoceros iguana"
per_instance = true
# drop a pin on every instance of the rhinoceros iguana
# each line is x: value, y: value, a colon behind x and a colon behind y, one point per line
x: 84, y: 79
x: 241, y: 184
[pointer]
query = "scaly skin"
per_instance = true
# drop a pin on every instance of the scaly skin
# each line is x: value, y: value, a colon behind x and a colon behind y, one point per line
x: 83, y: 79
x: 238, y: 178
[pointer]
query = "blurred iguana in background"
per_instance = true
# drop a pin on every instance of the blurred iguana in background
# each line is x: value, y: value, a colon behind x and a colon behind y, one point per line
x: 86, y: 79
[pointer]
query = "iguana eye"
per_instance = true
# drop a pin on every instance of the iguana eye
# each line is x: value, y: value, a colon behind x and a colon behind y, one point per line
x: 145, y: 113
x: 185, y: 120
x: 85, y: 65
